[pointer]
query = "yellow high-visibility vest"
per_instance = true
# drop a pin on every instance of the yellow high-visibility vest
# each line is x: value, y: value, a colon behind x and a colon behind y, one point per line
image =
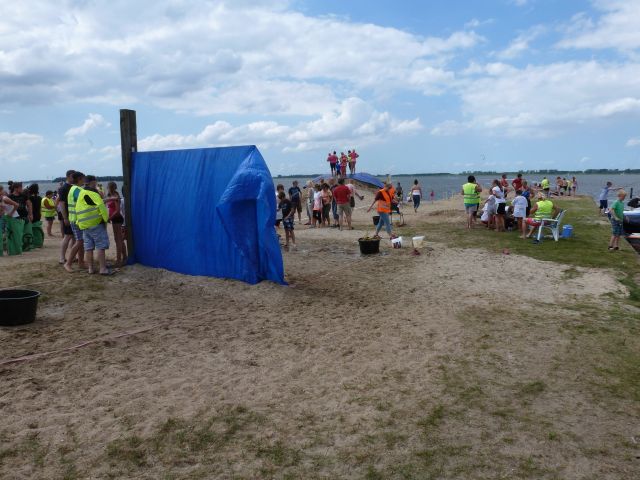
x: 87, y: 215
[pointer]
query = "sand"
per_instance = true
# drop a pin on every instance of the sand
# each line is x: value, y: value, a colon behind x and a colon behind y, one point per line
x: 353, y: 347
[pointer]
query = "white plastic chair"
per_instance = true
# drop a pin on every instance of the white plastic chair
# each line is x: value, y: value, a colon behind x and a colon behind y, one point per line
x: 553, y: 224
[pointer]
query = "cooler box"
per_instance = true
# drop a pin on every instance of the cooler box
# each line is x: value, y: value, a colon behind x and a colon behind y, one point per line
x: 567, y: 231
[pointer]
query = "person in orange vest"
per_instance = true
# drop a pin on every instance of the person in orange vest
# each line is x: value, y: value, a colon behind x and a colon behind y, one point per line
x: 384, y: 199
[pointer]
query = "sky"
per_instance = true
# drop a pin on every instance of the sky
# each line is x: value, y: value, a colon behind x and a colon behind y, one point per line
x: 415, y: 86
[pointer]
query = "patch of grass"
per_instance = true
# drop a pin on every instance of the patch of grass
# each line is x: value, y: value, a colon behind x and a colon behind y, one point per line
x: 588, y: 248
x: 570, y: 273
x: 532, y: 388
x: 433, y: 419
x: 279, y: 454
x: 130, y: 450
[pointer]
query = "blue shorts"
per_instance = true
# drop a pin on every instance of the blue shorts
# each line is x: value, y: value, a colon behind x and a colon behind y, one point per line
x: 75, y: 229
x: 616, y: 228
x: 287, y: 223
x: 96, y: 238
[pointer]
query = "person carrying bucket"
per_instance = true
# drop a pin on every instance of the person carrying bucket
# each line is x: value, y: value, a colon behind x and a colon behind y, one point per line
x: 383, y: 199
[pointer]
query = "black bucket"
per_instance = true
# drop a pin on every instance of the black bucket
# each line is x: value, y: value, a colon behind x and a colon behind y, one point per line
x: 18, y: 307
x: 369, y: 246
x: 376, y: 219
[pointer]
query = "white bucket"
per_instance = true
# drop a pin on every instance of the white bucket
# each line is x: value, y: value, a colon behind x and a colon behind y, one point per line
x: 396, y: 242
x: 418, y: 242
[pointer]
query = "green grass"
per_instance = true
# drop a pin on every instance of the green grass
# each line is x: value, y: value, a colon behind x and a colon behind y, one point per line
x: 587, y: 248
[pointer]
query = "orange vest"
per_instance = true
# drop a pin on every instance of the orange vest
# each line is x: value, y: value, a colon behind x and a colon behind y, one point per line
x: 384, y: 206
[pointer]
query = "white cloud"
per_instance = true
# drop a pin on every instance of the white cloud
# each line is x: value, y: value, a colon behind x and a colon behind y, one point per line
x: 618, y: 27
x: 447, y: 128
x: 633, y: 142
x: 548, y: 99
x: 352, y: 122
x: 94, y: 120
x: 15, y: 147
x: 521, y: 44
x: 209, y: 57
x: 519, y: 3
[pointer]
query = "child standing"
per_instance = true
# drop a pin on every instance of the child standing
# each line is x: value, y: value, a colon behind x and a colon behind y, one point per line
x: 317, y: 207
x: 520, y: 212
x: 490, y: 206
x: 48, y: 208
x: 288, y: 214
x: 617, y: 216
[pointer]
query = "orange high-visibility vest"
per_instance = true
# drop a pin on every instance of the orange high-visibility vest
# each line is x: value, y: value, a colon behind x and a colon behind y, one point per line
x: 384, y: 206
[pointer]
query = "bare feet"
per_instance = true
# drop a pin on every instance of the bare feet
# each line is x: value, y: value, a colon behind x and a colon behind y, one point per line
x: 68, y: 268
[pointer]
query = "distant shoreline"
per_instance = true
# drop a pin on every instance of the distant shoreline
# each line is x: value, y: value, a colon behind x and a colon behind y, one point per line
x: 109, y: 178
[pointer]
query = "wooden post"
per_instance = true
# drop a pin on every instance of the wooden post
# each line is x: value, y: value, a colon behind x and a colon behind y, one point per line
x: 129, y: 144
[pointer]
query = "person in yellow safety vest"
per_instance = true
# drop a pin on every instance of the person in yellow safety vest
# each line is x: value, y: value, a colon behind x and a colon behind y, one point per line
x: 471, y: 194
x: 72, y: 198
x: 92, y: 217
x: 544, y: 208
x: 384, y: 199
x: 48, y: 208
x: 546, y: 186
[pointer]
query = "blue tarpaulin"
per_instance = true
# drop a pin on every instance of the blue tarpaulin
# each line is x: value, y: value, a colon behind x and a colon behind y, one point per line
x: 360, y: 177
x: 208, y: 211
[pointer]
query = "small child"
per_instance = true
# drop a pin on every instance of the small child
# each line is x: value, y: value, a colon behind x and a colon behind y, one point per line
x: 617, y: 217
x: 288, y: 213
x: 520, y: 212
x: 490, y: 207
x: 48, y: 208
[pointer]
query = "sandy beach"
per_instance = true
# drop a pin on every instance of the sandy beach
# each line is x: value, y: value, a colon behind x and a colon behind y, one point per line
x: 457, y: 363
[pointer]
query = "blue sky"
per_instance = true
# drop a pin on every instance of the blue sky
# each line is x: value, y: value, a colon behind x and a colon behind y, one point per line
x: 414, y: 86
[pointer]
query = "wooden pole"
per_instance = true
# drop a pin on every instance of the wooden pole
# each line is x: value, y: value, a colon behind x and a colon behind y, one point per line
x: 129, y: 144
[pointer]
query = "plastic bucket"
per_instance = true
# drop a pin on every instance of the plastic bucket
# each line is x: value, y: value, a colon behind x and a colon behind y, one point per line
x: 567, y: 231
x: 376, y: 219
x: 18, y: 307
x: 396, y: 242
x: 369, y: 246
x: 418, y: 241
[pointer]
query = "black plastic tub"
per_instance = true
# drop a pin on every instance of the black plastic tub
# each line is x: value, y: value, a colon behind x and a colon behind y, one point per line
x: 18, y: 307
x: 369, y: 246
x: 376, y: 219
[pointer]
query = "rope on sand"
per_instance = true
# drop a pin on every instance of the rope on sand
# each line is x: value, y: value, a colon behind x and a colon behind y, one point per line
x: 105, y: 338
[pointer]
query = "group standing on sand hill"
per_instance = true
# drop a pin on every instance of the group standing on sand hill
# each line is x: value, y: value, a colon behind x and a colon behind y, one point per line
x: 83, y: 210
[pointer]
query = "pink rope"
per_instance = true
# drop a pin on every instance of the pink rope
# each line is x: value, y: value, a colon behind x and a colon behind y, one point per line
x: 113, y: 336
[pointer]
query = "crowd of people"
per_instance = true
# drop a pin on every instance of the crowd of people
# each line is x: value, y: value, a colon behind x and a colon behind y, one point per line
x: 83, y: 210
x: 523, y: 214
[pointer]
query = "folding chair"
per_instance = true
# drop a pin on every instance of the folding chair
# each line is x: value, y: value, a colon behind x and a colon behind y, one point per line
x: 552, y: 224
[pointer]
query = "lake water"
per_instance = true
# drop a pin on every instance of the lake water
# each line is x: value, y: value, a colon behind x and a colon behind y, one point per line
x: 444, y: 186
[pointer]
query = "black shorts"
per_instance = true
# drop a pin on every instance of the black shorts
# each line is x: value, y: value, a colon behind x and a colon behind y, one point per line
x: 501, y: 208
x: 117, y: 219
x: 66, y: 229
x: 317, y: 214
x: 49, y: 219
x: 604, y: 204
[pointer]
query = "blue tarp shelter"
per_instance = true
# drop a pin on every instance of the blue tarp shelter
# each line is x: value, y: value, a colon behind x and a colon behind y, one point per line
x: 208, y: 211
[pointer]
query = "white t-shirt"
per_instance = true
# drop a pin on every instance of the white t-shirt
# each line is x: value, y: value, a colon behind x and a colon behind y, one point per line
x: 485, y: 213
x: 491, y: 204
x: 6, y: 208
x: 519, y: 206
x: 497, y: 191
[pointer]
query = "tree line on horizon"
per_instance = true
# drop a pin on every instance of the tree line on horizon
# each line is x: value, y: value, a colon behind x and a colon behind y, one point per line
x: 120, y: 178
